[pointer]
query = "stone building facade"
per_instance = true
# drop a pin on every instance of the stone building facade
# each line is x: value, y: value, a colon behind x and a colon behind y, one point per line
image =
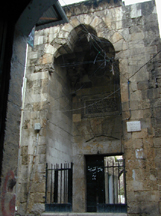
x: 85, y: 80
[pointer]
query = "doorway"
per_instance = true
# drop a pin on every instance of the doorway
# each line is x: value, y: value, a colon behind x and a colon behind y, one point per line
x: 106, y: 186
x: 95, y: 182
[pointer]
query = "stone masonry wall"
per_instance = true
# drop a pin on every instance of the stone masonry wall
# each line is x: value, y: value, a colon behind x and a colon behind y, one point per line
x: 44, y: 98
x: 33, y: 143
x: 59, y: 127
x: 133, y: 31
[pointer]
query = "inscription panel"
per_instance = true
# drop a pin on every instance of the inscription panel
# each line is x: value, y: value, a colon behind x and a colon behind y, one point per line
x: 97, y: 106
x: 101, y: 106
x: 133, y: 126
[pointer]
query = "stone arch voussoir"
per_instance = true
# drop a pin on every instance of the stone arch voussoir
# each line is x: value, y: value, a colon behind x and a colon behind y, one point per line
x: 66, y: 42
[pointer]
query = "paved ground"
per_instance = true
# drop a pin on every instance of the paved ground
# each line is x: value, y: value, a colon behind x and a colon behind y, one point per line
x: 84, y: 214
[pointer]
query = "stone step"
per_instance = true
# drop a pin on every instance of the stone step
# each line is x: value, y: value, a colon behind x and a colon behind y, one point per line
x: 83, y: 214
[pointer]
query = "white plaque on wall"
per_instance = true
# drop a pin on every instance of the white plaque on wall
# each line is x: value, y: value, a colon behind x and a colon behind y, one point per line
x: 133, y: 126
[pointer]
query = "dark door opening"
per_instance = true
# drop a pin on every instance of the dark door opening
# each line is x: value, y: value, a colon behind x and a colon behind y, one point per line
x: 106, y: 186
x: 95, y: 182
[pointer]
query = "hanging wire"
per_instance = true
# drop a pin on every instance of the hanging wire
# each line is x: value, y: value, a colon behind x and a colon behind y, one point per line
x: 145, y: 64
x: 95, y: 39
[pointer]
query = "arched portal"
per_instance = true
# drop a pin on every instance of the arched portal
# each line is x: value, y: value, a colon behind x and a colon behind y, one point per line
x: 85, y: 110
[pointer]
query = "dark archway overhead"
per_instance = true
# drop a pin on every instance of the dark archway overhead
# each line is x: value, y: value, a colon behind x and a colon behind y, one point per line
x: 17, y: 18
x: 92, y: 60
x: 37, y: 9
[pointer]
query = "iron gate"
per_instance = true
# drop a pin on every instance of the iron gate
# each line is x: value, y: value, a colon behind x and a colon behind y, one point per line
x: 58, y: 193
x: 106, y: 186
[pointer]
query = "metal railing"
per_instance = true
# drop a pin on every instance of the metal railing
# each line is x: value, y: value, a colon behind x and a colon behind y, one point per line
x: 115, y: 187
x: 58, y: 193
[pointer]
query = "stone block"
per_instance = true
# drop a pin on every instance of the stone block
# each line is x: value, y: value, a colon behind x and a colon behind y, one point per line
x: 136, y: 115
x: 24, y: 150
x: 124, y: 92
x: 107, y: 20
x: 39, y: 75
x: 135, y: 11
x: 119, y: 45
x: 148, y: 142
x: 42, y: 149
x: 47, y: 58
x: 74, y: 22
x: 157, y: 142
x: 153, y: 93
x: 39, y: 198
x: 146, y: 115
x: 138, y: 135
x: 41, y: 168
x: 137, y: 36
x: 137, y: 143
x: 143, y: 85
x: 118, y: 13
x: 49, y: 49
x: 38, y: 208
x: 51, y: 38
x: 38, y: 40
x: 125, y: 106
x: 23, y: 197
x: 76, y: 117
x: 42, y: 158
x: 33, y: 55
x: 116, y: 37
x: 135, y: 185
x: 87, y: 19
x: 136, y: 95
x: 38, y: 187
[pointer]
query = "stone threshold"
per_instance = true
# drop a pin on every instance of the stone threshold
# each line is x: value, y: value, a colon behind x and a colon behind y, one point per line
x: 83, y: 214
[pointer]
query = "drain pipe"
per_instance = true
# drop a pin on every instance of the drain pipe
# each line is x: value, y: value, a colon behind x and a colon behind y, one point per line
x: 128, y: 82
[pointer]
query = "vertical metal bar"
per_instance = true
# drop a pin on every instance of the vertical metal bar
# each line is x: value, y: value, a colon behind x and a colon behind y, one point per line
x: 56, y: 186
x: 64, y: 185
x: 108, y: 182
x: 97, y: 195
x: 53, y: 182
x: 113, y: 184
x: 51, y: 185
x: 119, y: 180
x: 67, y: 181
x: 61, y: 184
x: 70, y: 171
x: 66, y: 188
x: 46, y: 183
x: 71, y: 180
x: 64, y: 182
x: 124, y: 181
x: 104, y: 181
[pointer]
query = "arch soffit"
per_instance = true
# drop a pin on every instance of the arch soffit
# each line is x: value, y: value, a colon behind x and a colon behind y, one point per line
x: 31, y: 14
x: 113, y: 36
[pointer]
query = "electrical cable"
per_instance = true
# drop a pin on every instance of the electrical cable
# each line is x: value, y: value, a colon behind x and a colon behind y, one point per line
x: 78, y: 63
x: 111, y: 94
x: 83, y: 107
x: 86, y: 30
x: 98, y: 40
x: 145, y: 64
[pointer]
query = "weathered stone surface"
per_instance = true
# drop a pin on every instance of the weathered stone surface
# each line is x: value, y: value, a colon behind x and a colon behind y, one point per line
x: 76, y: 117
